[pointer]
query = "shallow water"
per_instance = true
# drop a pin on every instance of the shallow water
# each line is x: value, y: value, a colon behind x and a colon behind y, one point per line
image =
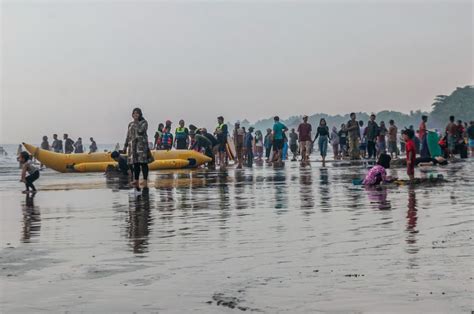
x: 261, y: 239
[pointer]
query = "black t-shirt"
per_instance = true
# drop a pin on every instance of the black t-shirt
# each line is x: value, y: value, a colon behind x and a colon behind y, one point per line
x: 123, y: 165
x: 211, y: 138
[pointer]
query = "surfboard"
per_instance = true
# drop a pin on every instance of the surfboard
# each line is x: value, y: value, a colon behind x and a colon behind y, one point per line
x: 230, y: 148
x: 433, y: 139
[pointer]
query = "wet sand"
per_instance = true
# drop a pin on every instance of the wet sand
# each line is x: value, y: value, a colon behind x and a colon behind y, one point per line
x: 269, y: 240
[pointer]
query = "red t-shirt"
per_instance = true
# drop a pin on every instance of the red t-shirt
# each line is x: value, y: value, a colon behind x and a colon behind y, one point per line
x: 410, y: 147
x: 422, y: 129
x: 304, y: 130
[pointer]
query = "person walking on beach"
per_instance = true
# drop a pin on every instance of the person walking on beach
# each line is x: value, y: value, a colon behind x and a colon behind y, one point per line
x: 293, y: 144
x: 28, y: 167
x: 92, y: 146
x: 221, y: 135
x: 422, y: 133
x: 335, y: 142
x: 279, y: 130
x: 451, y: 131
x: 181, y: 137
x: 45, y: 143
x: 68, y: 144
x: 323, y: 133
x: 372, y: 133
x: 249, y: 145
x: 392, y: 139
x: 343, y: 140
x: 268, y: 143
x: 304, y: 134
x: 136, y: 146
x: 57, y: 144
x: 78, y: 147
x: 353, y: 130
x: 238, y: 138
x: 363, y: 140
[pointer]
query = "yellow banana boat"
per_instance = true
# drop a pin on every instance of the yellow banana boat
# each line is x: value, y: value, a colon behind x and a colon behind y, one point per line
x: 66, y: 162
x: 156, y: 165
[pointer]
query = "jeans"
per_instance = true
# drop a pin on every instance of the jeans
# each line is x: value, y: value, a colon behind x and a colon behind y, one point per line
x: 323, y: 145
x: 371, y: 149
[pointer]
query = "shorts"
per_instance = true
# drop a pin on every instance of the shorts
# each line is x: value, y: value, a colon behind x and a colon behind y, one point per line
x: 471, y: 143
x: 305, y: 145
x: 451, y: 143
x: 392, y: 147
x: 277, y: 144
x: 221, y: 147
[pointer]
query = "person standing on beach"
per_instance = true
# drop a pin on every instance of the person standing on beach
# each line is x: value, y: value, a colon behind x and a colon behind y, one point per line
x: 470, y: 134
x: 78, y: 147
x: 423, y: 137
x: 45, y: 143
x: 221, y: 135
x: 181, y: 137
x: 57, y: 144
x: 343, y: 140
x: 335, y: 143
x: 68, y: 144
x: 363, y: 140
x: 451, y: 131
x: 93, y: 146
x: 293, y: 144
x: 392, y: 139
x: 353, y: 130
x: 136, y: 146
x: 323, y: 133
x: 259, y: 145
x: 158, y: 136
x: 372, y: 133
x: 268, y: 143
x: 411, y: 152
x: 304, y: 134
x: 238, y: 137
x: 249, y: 145
x: 381, y: 141
x: 278, y: 137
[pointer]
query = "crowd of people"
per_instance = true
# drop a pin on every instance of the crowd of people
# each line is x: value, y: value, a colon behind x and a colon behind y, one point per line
x: 354, y: 140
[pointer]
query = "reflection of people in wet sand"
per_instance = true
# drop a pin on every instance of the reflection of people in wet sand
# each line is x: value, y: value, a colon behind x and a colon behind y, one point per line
x: 31, y: 219
x: 139, y: 222
x: 378, y: 195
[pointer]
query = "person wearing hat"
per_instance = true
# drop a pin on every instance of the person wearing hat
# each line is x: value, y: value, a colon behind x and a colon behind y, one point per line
x: 249, y: 146
x: 238, y: 137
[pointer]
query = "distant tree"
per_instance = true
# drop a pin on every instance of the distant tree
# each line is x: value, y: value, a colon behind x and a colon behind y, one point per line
x: 459, y: 104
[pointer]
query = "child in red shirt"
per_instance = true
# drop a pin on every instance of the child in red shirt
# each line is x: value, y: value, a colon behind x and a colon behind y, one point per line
x: 411, y: 152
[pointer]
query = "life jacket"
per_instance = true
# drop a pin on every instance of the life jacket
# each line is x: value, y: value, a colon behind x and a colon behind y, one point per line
x: 167, y: 138
x: 181, y: 133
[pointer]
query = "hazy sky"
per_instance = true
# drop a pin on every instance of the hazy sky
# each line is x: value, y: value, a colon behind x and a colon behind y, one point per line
x: 81, y: 66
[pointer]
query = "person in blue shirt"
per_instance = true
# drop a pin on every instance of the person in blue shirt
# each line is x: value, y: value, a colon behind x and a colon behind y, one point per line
x: 278, y: 139
x: 249, y: 146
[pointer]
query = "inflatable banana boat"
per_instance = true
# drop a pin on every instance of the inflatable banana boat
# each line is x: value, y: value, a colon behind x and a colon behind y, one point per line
x: 98, y: 162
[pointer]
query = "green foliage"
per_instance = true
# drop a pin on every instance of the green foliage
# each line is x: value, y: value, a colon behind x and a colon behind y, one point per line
x: 459, y: 104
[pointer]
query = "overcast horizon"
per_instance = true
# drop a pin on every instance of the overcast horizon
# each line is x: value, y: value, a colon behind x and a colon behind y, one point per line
x: 80, y: 68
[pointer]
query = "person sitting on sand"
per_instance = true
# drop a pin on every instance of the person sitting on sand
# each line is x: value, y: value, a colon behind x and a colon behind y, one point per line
x: 378, y: 174
x: 122, y: 164
x: 28, y: 167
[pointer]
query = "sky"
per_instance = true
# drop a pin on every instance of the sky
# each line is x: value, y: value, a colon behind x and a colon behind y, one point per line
x: 80, y: 67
